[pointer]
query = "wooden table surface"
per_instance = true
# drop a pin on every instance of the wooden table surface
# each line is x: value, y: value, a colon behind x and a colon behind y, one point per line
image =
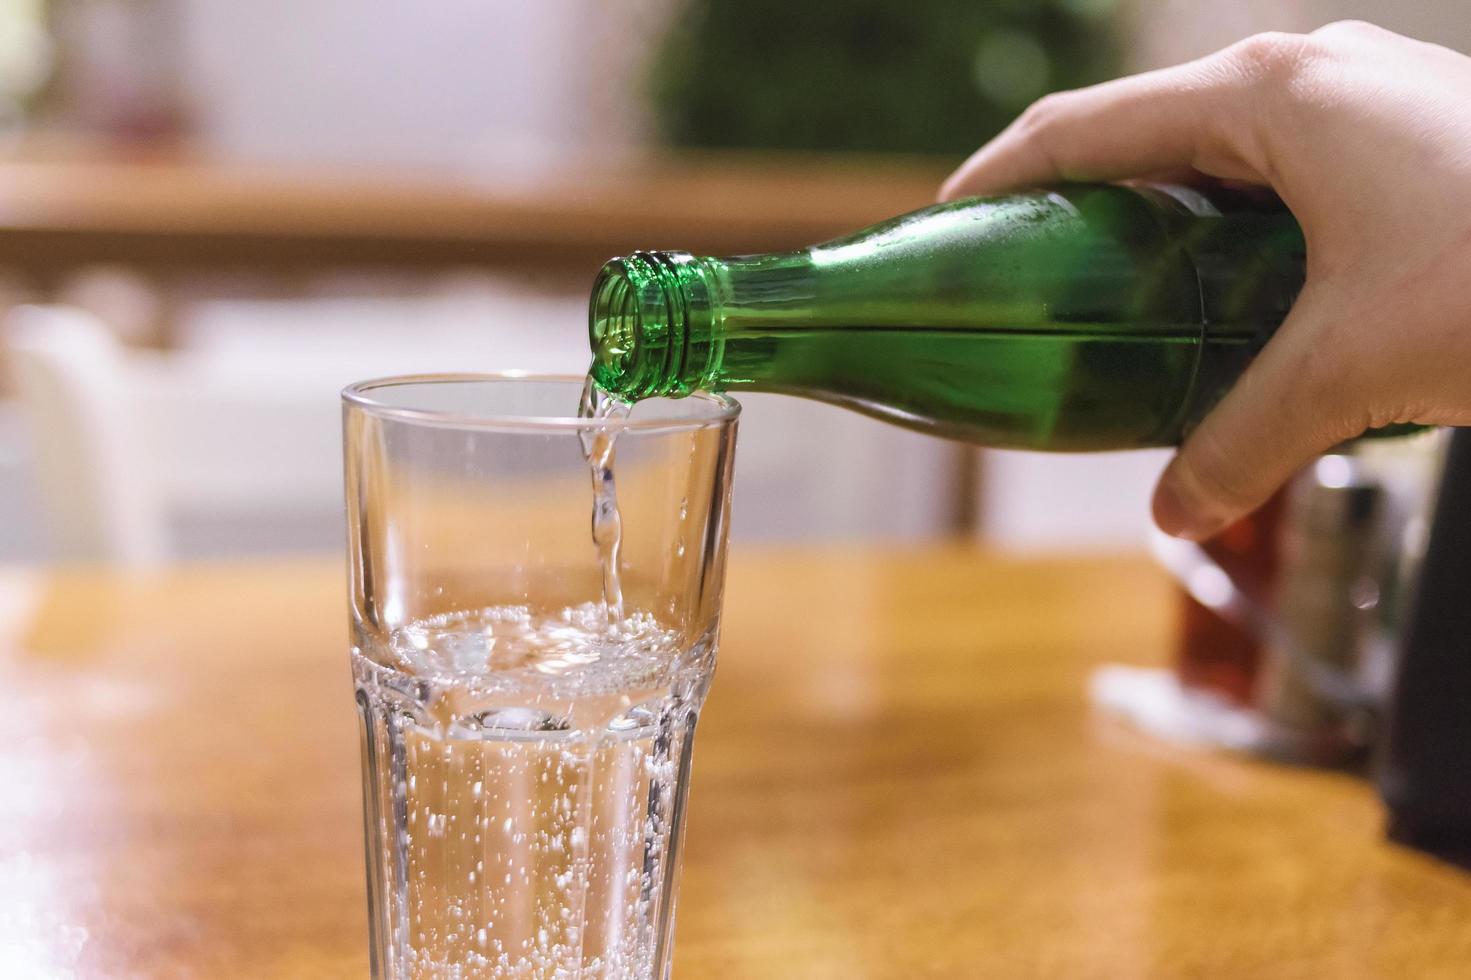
x: 183, y: 213
x: 897, y: 776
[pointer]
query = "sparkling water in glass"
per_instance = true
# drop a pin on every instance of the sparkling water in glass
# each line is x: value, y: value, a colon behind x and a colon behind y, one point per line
x: 526, y: 743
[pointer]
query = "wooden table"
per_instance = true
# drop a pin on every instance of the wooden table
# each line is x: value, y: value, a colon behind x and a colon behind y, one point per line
x: 180, y: 214
x: 898, y: 776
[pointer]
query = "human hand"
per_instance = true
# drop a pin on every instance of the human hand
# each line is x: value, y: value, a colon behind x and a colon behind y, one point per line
x: 1366, y: 137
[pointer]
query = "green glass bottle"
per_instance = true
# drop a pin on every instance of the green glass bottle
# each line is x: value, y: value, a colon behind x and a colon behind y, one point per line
x: 1083, y: 317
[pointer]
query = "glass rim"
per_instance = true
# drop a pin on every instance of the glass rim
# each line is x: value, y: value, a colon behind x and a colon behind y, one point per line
x: 358, y: 396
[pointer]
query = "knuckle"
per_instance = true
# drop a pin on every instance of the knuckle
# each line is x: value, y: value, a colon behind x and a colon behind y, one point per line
x: 1349, y: 29
x: 1362, y: 406
x: 1038, y: 128
x: 1044, y: 112
x: 1377, y: 415
x: 1268, y: 56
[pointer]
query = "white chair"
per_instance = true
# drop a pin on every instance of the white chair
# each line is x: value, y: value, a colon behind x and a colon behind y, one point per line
x: 142, y: 456
x: 89, y: 459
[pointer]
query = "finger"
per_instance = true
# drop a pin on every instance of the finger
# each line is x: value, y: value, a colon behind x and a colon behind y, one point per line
x: 1291, y: 404
x: 1196, y: 115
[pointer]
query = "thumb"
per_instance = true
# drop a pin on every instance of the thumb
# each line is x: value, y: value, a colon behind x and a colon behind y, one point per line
x: 1292, y: 403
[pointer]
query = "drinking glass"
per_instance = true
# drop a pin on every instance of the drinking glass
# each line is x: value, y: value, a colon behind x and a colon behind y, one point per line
x: 526, y: 744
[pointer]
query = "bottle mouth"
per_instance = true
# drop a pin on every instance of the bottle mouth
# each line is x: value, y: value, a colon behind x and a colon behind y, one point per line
x: 612, y: 325
x: 639, y: 325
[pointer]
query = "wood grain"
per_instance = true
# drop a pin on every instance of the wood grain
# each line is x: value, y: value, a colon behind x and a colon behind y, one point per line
x: 897, y: 776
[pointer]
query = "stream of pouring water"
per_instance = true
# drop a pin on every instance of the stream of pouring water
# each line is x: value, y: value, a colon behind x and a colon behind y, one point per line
x: 599, y: 445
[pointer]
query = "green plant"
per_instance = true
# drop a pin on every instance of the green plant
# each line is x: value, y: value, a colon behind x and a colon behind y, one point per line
x: 924, y: 76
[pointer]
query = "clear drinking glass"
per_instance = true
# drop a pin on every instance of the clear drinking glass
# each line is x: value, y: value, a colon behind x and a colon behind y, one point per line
x: 526, y: 749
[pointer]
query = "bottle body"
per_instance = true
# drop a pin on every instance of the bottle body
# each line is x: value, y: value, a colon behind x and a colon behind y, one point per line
x: 1088, y: 317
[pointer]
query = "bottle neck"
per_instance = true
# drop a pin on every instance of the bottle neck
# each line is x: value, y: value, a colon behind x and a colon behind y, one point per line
x: 651, y: 325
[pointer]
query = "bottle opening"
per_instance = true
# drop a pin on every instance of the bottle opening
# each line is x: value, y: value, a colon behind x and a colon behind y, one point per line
x: 613, y: 327
x: 649, y: 325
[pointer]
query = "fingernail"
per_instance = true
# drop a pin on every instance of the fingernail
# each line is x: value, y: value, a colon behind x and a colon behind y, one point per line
x: 1176, y: 519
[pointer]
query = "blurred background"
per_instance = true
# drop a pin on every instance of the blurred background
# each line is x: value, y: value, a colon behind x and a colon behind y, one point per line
x: 212, y: 216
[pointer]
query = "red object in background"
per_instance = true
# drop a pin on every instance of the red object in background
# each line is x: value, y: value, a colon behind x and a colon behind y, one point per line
x: 1216, y: 655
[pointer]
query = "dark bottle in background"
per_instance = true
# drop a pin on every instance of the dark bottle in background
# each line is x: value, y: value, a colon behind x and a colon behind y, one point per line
x: 1214, y: 653
x: 1424, y: 771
